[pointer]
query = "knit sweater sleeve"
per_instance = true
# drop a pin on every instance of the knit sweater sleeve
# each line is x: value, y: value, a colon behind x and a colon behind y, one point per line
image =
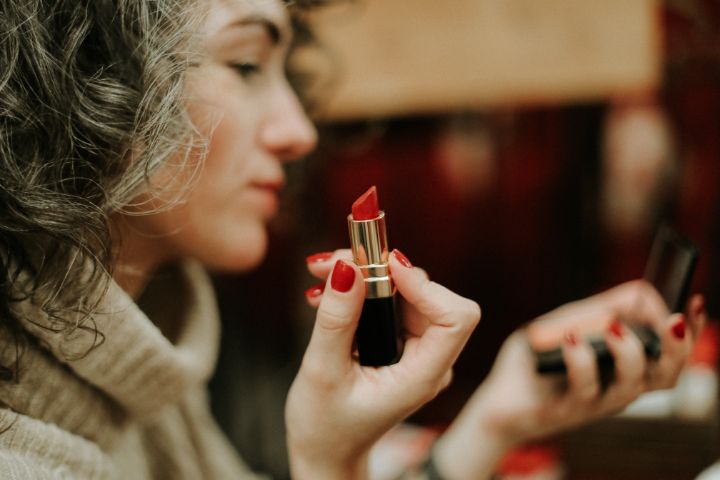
x: 21, y: 466
x: 32, y: 449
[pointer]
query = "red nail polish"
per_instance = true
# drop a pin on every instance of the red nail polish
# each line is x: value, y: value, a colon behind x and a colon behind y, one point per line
x: 616, y: 328
x: 571, y: 338
x: 402, y: 258
x: 343, y: 277
x: 315, y: 290
x: 319, y: 257
x: 678, y: 329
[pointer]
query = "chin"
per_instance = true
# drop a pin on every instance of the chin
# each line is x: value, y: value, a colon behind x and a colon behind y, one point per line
x: 241, y: 255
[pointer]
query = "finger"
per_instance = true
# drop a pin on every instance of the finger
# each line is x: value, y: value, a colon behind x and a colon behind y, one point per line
x: 446, y: 379
x: 582, y: 372
x: 697, y: 315
x: 422, y: 272
x: 676, y: 343
x: 636, y: 299
x: 451, y: 318
x: 328, y: 355
x: 650, y: 308
x: 630, y: 364
x: 321, y: 264
x: 414, y: 322
x: 313, y: 295
x: 640, y: 301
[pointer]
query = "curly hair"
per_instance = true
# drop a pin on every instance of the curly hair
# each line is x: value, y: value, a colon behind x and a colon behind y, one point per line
x: 91, y: 103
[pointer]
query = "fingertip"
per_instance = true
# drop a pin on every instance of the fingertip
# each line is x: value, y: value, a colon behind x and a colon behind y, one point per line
x: 320, y: 257
x: 401, y: 258
x: 616, y: 329
x: 320, y: 264
x: 406, y: 277
x: 627, y: 350
x: 570, y: 338
x: 697, y: 312
x: 344, y: 276
x: 582, y: 372
x: 314, y: 294
x: 315, y: 291
x: 697, y: 303
x: 677, y: 327
x: 676, y: 339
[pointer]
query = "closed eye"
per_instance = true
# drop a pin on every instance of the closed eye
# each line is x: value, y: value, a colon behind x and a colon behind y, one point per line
x: 247, y: 70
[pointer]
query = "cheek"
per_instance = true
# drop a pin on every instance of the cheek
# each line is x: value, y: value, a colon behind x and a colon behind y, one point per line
x: 217, y: 222
x: 228, y: 131
x: 228, y: 124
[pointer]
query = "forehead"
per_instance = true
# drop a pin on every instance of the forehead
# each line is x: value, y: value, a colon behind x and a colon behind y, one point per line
x: 224, y: 13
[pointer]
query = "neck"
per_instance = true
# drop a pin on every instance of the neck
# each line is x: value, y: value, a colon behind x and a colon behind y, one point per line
x: 137, y: 256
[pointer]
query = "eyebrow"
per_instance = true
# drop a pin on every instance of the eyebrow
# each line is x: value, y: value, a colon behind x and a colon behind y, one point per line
x: 268, y: 25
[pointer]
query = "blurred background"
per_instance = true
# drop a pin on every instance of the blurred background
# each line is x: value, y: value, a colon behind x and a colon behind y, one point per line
x: 525, y: 153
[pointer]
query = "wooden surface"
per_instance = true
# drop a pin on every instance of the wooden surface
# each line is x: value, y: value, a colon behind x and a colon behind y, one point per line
x: 392, y: 57
x: 641, y: 449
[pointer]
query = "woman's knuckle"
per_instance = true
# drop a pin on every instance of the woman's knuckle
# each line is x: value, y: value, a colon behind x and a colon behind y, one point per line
x: 632, y: 396
x: 332, y: 319
x: 668, y: 378
x: 429, y: 388
x: 473, y: 311
x: 447, y: 379
x: 316, y: 374
x: 468, y: 313
x: 628, y: 395
x: 589, y: 393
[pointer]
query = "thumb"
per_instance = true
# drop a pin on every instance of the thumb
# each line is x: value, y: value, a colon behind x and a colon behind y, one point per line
x: 329, y: 353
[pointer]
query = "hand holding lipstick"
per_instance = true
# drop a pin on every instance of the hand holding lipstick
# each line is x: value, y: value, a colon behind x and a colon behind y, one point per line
x: 340, y: 404
x: 337, y: 408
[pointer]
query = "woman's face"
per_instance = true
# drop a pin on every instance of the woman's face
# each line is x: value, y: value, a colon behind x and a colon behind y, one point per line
x: 241, y: 101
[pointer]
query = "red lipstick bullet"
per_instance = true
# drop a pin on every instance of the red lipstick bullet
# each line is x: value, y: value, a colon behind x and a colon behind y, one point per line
x: 378, y: 335
x: 366, y: 207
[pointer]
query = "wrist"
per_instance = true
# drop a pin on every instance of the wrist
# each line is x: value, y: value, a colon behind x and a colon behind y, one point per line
x: 305, y: 467
x: 473, y: 445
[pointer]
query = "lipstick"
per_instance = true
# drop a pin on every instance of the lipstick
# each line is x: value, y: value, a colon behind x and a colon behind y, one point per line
x: 378, y: 335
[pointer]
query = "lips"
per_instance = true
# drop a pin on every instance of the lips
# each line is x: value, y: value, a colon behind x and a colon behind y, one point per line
x: 266, y: 193
x: 271, y: 185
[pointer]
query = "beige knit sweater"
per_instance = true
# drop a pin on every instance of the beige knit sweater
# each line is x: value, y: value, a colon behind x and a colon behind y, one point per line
x: 135, y: 406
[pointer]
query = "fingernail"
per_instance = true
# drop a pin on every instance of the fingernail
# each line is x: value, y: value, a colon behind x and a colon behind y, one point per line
x: 570, y: 338
x: 402, y: 258
x: 315, y: 290
x: 678, y: 329
x: 319, y: 257
x: 616, y: 328
x: 343, y: 277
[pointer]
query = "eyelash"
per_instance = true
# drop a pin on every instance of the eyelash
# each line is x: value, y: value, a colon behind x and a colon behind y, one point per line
x: 246, y: 70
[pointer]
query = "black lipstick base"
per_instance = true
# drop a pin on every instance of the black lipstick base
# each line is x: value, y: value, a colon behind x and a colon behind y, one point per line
x: 551, y: 361
x: 378, y: 335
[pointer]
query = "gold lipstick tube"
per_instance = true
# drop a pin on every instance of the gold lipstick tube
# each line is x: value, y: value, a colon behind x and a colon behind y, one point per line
x: 378, y: 335
x: 368, y: 239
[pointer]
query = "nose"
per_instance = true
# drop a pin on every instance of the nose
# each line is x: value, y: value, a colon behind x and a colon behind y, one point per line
x: 287, y: 131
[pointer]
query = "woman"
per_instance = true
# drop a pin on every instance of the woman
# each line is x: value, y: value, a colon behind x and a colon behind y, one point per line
x: 129, y: 161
